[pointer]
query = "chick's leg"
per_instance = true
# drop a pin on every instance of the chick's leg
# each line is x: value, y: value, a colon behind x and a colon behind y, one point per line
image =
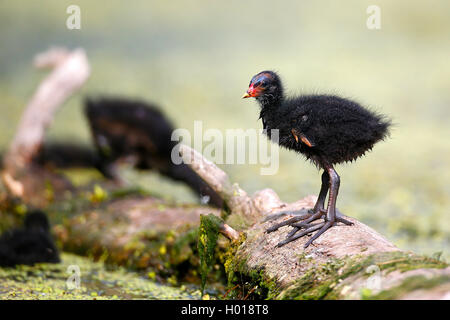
x: 331, y: 217
x: 314, y: 214
x: 331, y: 181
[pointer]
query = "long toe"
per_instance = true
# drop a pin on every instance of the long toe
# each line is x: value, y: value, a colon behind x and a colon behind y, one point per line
x: 287, y: 222
x: 301, y: 234
x: 293, y: 231
x: 327, y: 225
x: 307, y: 223
x: 344, y: 221
x: 303, y: 213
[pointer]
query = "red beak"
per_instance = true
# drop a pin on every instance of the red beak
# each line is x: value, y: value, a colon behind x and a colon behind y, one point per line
x: 251, y: 92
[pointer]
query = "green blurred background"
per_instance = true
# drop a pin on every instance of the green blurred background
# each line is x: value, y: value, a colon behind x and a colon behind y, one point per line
x: 195, y: 59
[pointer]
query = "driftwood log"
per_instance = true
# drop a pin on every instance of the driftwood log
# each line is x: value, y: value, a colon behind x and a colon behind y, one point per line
x: 135, y: 229
x: 347, y: 262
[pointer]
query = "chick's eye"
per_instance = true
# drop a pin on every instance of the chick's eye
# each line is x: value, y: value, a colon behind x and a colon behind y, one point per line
x: 304, y: 118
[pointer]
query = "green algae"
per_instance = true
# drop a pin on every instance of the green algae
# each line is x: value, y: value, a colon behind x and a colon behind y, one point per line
x: 49, y: 281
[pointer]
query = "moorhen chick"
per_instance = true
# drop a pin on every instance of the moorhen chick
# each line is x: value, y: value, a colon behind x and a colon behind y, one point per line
x: 327, y: 130
x: 123, y: 127
x: 30, y: 244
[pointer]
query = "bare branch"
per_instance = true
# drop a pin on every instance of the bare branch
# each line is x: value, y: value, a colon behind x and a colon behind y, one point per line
x: 70, y: 71
x: 235, y: 198
x: 229, y: 232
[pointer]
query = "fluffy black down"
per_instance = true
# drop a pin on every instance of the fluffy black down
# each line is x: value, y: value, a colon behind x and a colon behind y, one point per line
x: 29, y: 244
x: 58, y: 154
x: 339, y: 129
x: 123, y: 127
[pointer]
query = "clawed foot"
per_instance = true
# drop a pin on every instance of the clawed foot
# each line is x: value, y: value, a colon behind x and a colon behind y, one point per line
x: 306, y: 227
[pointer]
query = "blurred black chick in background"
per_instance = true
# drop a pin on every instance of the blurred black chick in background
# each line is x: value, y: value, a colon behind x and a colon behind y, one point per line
x: 30, y: 244
x: 125, y: 129
x: 131, y: 128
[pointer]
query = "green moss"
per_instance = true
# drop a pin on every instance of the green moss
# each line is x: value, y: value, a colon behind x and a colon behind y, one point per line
x: 207, y: 240
x: 405, y: 262
x: 128, y: 191
x: 319, y: 282
x: 80, y: 176
x: 228, y: 258
x: 245, y: 283
x: 408, y: 285
x: 171, y: 255
x: 252, y: 284
x: 184, y: 244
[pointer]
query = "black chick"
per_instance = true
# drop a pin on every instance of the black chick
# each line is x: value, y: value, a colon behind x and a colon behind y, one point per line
x: 28, y: 245
x: 327, y: 130
x: 66, y: 155
x: 123, y: 128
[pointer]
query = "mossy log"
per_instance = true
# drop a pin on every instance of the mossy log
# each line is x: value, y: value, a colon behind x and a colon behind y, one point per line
x: 123, y: 227
x: 346, y: 262
x: 136, y: 231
